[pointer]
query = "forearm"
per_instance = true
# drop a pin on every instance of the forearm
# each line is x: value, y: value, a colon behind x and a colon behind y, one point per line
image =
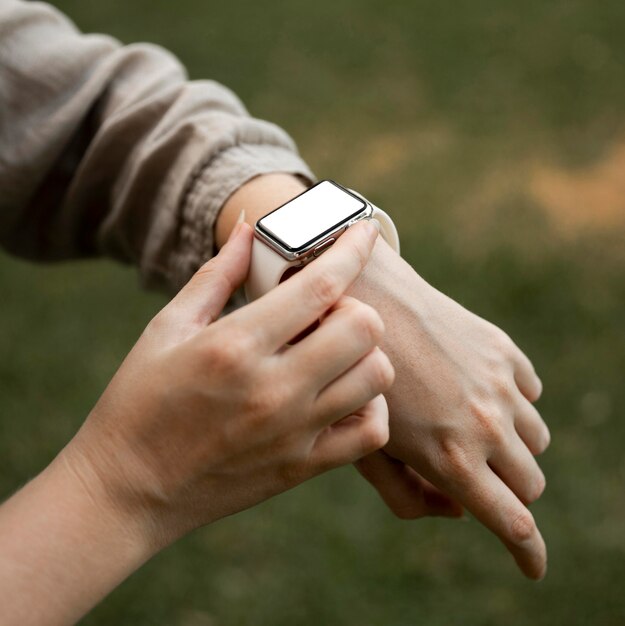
x: 62, y: 549
x: 110, y: 149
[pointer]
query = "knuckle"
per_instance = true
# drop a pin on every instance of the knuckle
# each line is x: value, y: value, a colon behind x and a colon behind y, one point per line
x: 209, y: 273
x: 325, y: 288
x: 500, y: 386
x: 218, y: 355
x: 537, y: 488
x: 455, y: 459
x: 540, y: 442
x: 382, y: 372
x: 239, y: 345
x: 375, y: 435
x: 256, y: 408
x: 367, y: 323
x: 502, y: 341
x: 264, y: 403
x: 230, y: 352
x: 538, y: 389
x: 522, y: 528
x: 488, y: 420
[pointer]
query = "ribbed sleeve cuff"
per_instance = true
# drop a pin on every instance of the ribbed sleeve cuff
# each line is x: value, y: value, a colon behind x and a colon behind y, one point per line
x: 214, y: 182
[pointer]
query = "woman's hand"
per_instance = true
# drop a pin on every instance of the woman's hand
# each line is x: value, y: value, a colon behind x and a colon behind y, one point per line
x: 207, y: 417
x: 204, y: 418
x: 461, y: 412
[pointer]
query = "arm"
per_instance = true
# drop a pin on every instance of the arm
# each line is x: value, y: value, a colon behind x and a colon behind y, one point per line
x: 130, y: 159
x: 63, y: 548
x: 109, y: 149
x: 194, y: 427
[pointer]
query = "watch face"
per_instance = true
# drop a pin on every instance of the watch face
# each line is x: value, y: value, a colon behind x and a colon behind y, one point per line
x: 319, y: 211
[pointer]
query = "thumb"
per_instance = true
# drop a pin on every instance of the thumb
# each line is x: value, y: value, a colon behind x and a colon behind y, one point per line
x: 203, y: 298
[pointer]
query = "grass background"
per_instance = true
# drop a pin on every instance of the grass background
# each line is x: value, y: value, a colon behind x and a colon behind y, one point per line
x: 494, y: 132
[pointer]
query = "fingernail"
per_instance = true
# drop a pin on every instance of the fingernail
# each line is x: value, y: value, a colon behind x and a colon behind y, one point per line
x: 235, y: 231
x: 241, y: 217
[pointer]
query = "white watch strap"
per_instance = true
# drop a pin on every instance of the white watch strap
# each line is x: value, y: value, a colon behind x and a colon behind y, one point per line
x: 387, y: 227
x: 267, y: 266
x: 266, y: 270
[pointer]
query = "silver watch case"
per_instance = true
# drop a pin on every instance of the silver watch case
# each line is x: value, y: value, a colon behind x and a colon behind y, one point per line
x: 320, y: 243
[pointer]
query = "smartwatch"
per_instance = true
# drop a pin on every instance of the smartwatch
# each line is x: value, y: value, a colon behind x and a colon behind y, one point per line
x: 296, y: 233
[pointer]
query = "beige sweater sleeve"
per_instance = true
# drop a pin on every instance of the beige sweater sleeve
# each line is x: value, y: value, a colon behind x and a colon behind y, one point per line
x: 109, y: 149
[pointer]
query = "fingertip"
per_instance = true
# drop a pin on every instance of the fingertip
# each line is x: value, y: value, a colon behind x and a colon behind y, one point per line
x: 376, y: 226
x: 537, y: 574
x: 373, y: 230
x: 380, y: 406
x: 368, y: 229
x: 535, y: 567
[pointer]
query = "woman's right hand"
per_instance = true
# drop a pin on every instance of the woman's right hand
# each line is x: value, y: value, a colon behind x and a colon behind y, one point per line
x: 209, y: 416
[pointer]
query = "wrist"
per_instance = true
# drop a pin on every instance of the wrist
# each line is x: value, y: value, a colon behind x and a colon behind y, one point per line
x: 388, y: 275
x: 389, y: 284
x: 106, y: 506
x: 256, y: 198
x: 64, y: 548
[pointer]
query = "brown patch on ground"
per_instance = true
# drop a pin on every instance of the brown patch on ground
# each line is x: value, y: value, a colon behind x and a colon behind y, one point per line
x: 386, y: 154
x: 376, y: 157
x: 582, y: 199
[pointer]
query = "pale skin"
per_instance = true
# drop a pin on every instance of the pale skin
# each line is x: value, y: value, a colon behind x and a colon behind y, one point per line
x: 463, y: 428
x: 205, y: 417
x: 156, y: 458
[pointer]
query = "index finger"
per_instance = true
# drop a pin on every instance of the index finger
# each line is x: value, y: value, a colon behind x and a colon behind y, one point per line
x: 295, y: 304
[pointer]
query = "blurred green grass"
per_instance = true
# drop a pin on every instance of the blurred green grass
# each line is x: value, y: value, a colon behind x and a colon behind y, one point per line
x: 447, y: 115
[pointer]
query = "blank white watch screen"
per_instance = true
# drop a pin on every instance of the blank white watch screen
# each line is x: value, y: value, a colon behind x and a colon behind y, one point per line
x: 315, y: 212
